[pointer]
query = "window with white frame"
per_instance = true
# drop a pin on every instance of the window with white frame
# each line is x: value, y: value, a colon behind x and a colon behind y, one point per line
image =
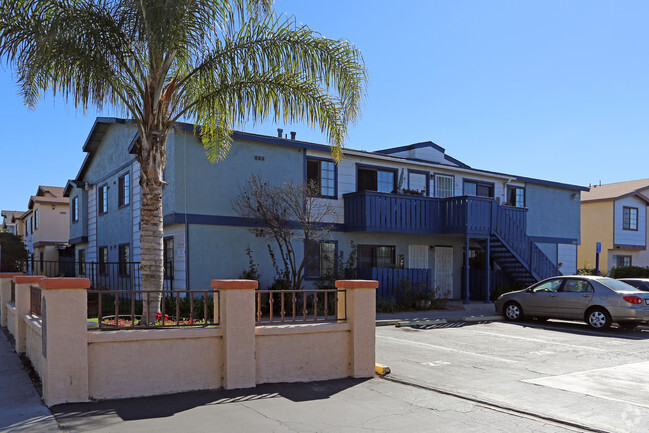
x: 516, y: 196
x: 623, y: 260
x: 418, y: 182
x: 322, y: 175
x: 103, y: 199
x: 443, y: 186
x: 124, y: 190
x: 75, y: 209
x: 630, y: 218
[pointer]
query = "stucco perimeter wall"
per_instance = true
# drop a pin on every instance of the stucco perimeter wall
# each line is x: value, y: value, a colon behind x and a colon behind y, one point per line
x: 11, y: 318
x: 302, y: 353
x: 150, y: 362
x: 34, y: 343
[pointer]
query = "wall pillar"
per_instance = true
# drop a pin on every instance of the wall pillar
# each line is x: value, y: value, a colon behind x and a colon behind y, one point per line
x: 237, y: 319
x: 6, y: 278
x: 23, y: 286
x: 65, y: 339
x: 360, y: 300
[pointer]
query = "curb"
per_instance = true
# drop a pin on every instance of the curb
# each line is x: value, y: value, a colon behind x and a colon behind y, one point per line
x: 426, y: 322
x: 482, y: 318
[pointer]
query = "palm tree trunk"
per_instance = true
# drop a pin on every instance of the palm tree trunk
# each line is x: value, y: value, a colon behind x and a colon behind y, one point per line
x: 152, y: 157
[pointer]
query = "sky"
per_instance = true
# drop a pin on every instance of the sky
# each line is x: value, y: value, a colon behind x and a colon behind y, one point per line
x: 556, y: 90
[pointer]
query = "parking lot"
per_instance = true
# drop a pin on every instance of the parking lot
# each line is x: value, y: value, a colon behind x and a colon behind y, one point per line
x: 559, y: 371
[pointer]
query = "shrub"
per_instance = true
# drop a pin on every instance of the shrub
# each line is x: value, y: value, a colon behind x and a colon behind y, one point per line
x: 630, y: 272
x: 13, y: 253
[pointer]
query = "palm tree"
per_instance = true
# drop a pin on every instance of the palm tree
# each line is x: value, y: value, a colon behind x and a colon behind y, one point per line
x: 216, y: 63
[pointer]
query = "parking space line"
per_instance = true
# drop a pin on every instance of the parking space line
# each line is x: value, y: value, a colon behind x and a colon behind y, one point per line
x: 538, y: 340
x: 417, y: 343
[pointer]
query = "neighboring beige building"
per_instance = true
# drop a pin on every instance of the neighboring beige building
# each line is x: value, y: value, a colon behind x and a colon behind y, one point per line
x: 47, y: 228
x: 10, y: 220
x: 615, y: 214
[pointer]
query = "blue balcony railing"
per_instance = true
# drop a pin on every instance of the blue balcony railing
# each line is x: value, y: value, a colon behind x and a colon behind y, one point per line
x: 374, y: 211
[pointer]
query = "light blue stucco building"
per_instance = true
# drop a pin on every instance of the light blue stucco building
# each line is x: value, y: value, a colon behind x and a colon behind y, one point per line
x: 410, y: 207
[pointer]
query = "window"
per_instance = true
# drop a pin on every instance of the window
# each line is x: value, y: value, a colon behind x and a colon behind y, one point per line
x: 478, y: 189
x: 630, y: 218
x: 124, y: 190
x: 516, y: 196
x: 320, y: 259
x: 623, y: 261
x: 36, y: 219
x: 75, y: 209
x: 549, y: 286
x: 373, y: 179
x: 418, y: 182
x: 82, y: 262
x: 443, y: 186
x: 103, y: 199
x: 577, y: 286
x: 322, y: 174
x: 124, y: 259
x: 103, y: 260
x: 376, y: 256
x: 168, y: 257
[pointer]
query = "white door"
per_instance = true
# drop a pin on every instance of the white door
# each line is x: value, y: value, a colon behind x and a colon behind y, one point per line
x: 444, y: 271
x: 418, y: 256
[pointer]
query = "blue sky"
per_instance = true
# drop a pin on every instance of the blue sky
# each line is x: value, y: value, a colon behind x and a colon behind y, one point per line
x: 556, y: 90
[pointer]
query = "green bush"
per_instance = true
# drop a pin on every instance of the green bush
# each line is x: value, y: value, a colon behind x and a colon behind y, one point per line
x: 13, y: 253
x: 630, y: 272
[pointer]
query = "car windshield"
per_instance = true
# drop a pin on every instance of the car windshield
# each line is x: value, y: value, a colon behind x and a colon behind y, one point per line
x: 616, y: 285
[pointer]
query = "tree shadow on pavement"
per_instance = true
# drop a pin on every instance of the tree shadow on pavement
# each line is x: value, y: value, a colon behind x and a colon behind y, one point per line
x: 86, y: 416
x: 640, y: 333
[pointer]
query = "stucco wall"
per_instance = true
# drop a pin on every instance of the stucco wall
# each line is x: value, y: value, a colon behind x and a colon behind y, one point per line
x: 79, y: 228
x: 208, y: 189
x: 630, y: 237
x: 553, y: 212
x: 153, y: 362
x: 34, y: 343
x: 53, y: 224
x: 596, y: 226
x: 302, y: 353
x: 11, y: 318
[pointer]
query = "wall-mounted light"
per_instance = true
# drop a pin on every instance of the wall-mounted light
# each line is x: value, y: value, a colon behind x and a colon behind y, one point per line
x: 53, y: 206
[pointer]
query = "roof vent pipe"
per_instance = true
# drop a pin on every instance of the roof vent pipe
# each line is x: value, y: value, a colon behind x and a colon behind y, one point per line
x: 292, y: 135
x: 280, y: 131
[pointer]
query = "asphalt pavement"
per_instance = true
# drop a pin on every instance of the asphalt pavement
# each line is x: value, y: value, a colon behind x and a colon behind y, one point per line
x: 345, y: 405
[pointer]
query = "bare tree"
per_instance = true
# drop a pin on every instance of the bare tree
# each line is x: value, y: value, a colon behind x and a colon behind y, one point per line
x: 286, y: 213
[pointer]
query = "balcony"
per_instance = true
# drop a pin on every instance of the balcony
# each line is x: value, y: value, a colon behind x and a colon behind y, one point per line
x: 381, y: 212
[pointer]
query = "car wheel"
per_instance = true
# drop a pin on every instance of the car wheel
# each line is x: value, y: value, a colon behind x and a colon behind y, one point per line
x: 628, y: 325
x: 598, y: 318
x: 513, y: 311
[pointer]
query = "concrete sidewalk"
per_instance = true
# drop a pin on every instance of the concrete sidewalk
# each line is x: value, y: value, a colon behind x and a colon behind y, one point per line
x: 21, y: 408
x: 455, y: 311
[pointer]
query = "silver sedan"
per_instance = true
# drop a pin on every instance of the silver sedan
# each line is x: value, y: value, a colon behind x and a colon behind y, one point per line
x: 598, y: 301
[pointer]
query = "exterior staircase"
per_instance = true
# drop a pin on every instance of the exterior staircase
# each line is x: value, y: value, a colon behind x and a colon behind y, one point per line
x: 516, y: 253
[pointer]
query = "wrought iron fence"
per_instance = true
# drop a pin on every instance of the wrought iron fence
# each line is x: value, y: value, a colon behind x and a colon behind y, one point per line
x: 123, y: 309
x: 102, y: 275
x: 35, y: 301
x: 299, y: 306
